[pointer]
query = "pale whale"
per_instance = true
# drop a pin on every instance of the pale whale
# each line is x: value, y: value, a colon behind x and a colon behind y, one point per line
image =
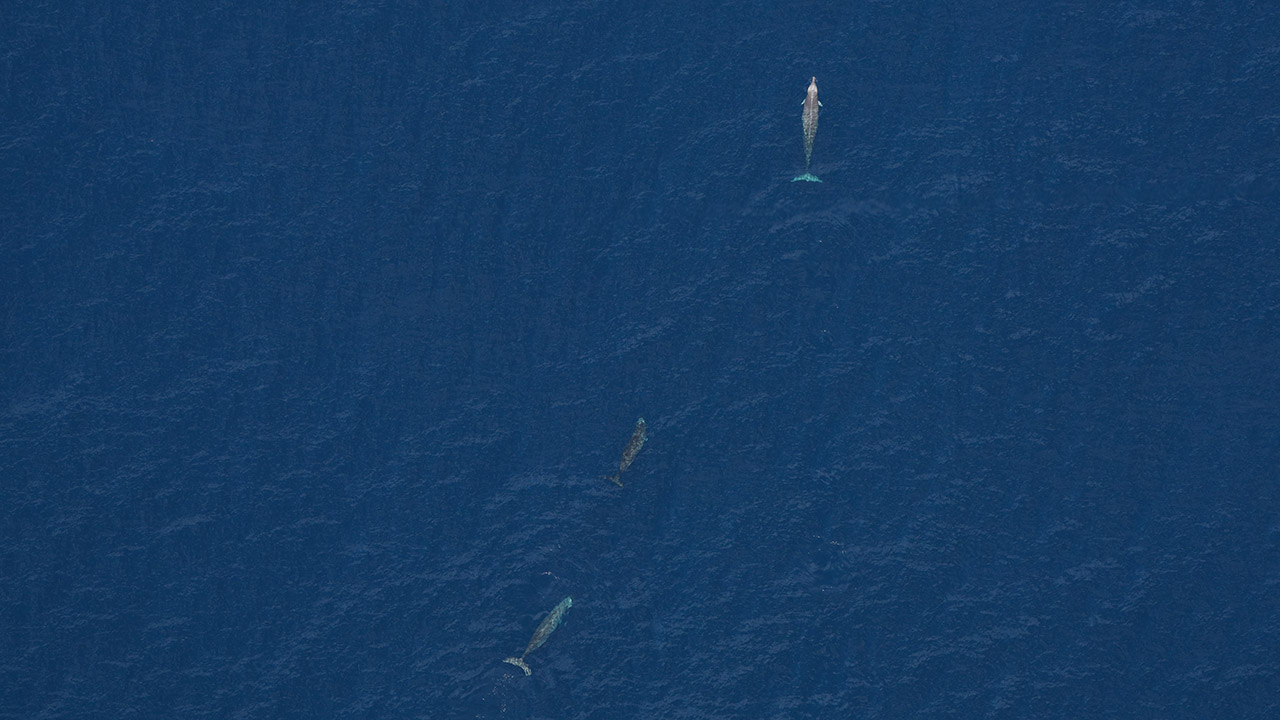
x: 545, y: 628
x: 810, y: 121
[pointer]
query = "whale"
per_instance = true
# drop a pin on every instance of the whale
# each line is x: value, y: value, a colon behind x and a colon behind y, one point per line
x: 545, y: 628
x: 638, y: 438
x: 809, y: 120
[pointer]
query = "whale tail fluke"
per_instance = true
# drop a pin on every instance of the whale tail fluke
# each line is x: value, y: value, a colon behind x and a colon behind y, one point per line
x: 518, y: 662
x: 807, y: 177
x: 617, y: 479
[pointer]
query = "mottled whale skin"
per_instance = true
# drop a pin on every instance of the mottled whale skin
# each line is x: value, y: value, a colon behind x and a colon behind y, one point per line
x: 545, y: 628
x: 810, y: 121
x: 636, y: 442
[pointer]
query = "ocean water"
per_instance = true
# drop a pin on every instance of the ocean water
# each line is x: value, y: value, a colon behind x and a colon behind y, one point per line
x: 320, y: 328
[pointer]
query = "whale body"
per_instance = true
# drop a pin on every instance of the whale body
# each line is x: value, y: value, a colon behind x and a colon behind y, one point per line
x: 638, y: 438
x: 545, y: 628
x: 809, y: 119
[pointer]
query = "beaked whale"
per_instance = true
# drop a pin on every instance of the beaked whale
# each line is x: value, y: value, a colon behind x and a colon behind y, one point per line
x: 545, y: 628
x: 810, y: 121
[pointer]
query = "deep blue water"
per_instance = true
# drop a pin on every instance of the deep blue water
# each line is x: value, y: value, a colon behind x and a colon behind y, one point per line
x: 321, y: 327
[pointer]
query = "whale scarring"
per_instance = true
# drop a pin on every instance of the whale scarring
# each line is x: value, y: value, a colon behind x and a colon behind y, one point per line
x: 809, y: 119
